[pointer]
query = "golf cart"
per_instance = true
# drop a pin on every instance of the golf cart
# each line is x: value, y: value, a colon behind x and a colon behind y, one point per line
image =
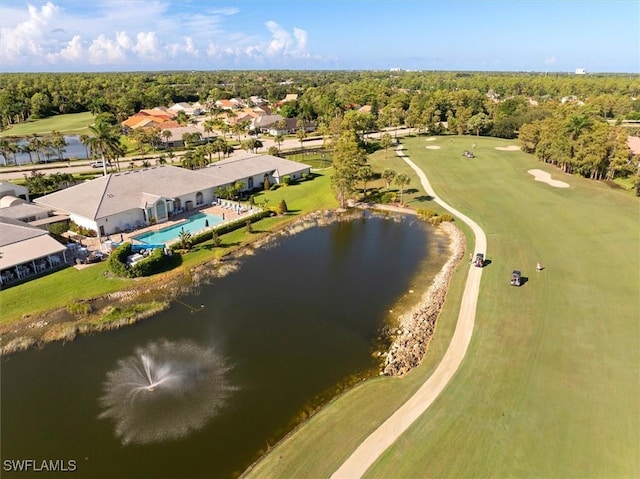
x: 479, y: 262
x: 516, y: 278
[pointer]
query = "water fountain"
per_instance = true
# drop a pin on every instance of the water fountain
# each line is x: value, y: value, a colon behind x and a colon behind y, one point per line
x: 164, y: 391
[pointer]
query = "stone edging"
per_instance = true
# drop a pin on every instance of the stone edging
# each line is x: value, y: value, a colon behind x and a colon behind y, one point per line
x: 417, y: 328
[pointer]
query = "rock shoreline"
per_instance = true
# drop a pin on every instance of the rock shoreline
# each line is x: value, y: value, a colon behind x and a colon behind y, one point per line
x: 416, y: 329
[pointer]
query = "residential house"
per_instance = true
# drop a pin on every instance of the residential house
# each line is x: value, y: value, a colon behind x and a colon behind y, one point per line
x: 14, y: 191
x: 123, y: 201
x: 26, y: 251
x: 252, y: 170
x: 187, y: 108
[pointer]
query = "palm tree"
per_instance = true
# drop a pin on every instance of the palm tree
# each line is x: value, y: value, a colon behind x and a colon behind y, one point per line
x: 58, y: 142
x: 402, y: 180
x: 35, y: 143
x: 84, y: 139
x: 278, y: 139
x: 389, y: 175
x: 576, y: 124
x: 209, y: 126
x: 184, y: 239
x: 166, y: 134
x: 105, y: 143
x: 26, y: 148
x: 364, y: 174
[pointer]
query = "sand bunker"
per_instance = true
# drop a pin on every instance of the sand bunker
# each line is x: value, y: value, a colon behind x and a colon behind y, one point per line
x: 545, y: 177
x: 433, y: 147
x: 431, y: 138
x: 508, y: 148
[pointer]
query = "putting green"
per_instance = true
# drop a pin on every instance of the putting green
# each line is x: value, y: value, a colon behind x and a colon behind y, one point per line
x: 550, y: 384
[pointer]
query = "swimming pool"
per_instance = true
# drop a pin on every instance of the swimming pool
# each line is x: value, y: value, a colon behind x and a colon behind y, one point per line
x: 193, y: 225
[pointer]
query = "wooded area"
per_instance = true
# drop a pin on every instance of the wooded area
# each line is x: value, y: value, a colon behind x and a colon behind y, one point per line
x: 574, y: 121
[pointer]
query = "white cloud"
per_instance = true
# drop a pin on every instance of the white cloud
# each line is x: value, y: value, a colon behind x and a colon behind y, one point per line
x: 104, y: 50
x: 148, y: 46
x: 27, y: 37
x: 122, y: 37
x: 73, y: 52
x: 550, y: 61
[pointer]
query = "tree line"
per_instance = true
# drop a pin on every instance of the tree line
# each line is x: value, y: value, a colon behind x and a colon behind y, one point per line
x: 26, y: 96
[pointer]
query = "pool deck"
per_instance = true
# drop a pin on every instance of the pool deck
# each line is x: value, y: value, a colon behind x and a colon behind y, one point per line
x: 228, y: 215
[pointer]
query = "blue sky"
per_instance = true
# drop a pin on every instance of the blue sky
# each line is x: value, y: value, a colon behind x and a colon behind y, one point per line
x: 513, y: 35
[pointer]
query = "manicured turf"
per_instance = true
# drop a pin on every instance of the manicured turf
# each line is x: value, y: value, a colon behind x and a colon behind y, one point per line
x: 72, y: 123
x: 56, y: 290
x: 550, y: 384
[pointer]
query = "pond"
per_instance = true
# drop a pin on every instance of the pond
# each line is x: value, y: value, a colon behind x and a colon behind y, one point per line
x: 73, y: 150
x: 202, y: 388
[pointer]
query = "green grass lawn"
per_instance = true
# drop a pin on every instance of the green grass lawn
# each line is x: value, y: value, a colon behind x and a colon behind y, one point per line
x: 57, y: 289
x: 72, y: 123
x: 550, y: 384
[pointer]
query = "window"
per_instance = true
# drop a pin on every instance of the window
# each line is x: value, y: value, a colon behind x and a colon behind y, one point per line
x: 199, y: 198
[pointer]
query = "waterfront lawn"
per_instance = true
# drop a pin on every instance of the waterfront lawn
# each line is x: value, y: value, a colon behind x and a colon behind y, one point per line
x: 57, y: 289
x: 549, y: 385
x: 71, y: 123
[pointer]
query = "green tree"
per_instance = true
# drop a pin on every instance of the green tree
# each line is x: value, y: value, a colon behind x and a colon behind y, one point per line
x: 402, y: 180
x: 184, y: 239
x: 105, y: 143
x: 388, y: 175
x: 385, y: 142
x: 348, y: 155
x: 364, y: 174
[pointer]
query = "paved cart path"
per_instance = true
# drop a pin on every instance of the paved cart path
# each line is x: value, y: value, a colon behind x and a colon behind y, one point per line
x: 374, y: 445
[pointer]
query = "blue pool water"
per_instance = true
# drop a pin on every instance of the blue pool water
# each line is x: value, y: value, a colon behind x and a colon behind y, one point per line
x: 195, y: 224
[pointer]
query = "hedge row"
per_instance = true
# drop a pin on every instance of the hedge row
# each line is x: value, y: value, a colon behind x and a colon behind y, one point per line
x: 156, y: 262
x: 223, y: 229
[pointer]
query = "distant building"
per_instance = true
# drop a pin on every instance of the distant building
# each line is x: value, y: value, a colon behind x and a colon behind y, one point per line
x: 581, y: 71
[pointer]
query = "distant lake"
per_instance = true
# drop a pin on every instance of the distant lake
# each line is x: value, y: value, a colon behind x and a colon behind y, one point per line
x: 74, y: 150
x: 246, y: 353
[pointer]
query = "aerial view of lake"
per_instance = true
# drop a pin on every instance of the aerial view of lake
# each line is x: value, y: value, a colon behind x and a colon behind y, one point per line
x: 202, y: 388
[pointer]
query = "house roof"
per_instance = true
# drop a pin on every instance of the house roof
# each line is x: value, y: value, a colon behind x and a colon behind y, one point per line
x: 21, y: 243
x: 12, y: 189
x: 130, y: 190
x: 249, y: 164
x: 23, y: 210
x: 119, y: 192
x: 265, y: 121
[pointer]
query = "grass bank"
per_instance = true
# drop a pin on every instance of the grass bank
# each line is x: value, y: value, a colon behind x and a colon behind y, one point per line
x: 56, y: 291
x: 549, y: 385
x: 71, y: 124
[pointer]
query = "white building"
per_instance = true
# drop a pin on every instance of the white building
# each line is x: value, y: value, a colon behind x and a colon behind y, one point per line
x: 129, y: 200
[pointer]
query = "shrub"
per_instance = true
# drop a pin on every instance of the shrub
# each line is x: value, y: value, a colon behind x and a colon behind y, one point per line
x: 436, y: 220
x: 426, y: 214
x: 76, y: 228
x: 274, y: 187
x: 78, y: 309
x: 155, y: 263
x: 286, y: 180
x: 58, y: 228
x: 267, y: 184
x: 387, y: 198
x: 117, y: 262
x: 282, y: 207
x: 306, y: 176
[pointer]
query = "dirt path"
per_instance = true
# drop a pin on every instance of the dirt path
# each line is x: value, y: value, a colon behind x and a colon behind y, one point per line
x: 374, y: 445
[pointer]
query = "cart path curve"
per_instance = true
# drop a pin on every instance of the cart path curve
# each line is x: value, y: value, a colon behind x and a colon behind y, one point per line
x: 386, y: 434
